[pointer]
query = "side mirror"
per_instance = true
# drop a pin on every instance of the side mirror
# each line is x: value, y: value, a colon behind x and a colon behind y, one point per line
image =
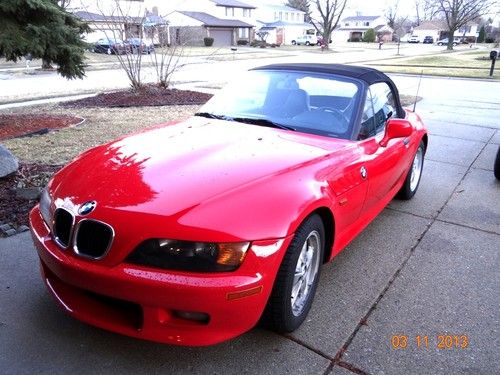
x: 396, y: 128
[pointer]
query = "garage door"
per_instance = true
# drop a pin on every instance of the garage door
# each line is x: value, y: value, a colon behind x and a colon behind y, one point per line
x: 222, y: 37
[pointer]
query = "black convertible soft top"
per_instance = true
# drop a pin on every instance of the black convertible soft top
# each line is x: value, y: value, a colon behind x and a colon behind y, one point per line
x: 367, y: 75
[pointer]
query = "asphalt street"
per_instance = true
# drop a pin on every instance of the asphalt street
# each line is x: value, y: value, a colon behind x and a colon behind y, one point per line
x: 423, y: 273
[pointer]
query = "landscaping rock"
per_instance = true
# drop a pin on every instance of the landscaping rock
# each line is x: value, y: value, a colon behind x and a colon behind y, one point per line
x: 31, y: 193
x: 23, y: 228
x: 8, y: 162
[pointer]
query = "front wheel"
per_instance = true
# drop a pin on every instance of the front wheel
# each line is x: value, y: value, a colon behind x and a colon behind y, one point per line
x: 496, y: 168
x: 412, y: 180
x: 297, y: 278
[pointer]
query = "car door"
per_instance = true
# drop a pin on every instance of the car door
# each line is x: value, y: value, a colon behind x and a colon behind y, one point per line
x: 384, y: 165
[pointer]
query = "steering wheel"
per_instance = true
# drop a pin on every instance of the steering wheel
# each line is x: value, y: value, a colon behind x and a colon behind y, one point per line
x: 339, y: 116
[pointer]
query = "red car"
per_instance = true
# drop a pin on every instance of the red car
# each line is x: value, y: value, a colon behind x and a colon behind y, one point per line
x: 192, y: 233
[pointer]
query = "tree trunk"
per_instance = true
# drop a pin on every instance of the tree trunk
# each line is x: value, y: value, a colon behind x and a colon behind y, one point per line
x: 47, y: 65
x: 451, y: 37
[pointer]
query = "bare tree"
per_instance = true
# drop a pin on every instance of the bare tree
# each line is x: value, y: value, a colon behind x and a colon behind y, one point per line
x: 459, y: 13
x: 425, y: 10
x: 391, y: 13
x: 330, y: 12
x: 121, y: 21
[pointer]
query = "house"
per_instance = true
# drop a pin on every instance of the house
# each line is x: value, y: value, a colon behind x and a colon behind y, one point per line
x: 110, y: 26
x: 352, y: 29
x: 282, y: 24
x: 120, y: 19
x: 227, y: 21
x: 439, y: 30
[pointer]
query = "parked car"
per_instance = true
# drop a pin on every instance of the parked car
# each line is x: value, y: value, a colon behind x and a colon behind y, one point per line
x: 307, y: 40
x: 414, y: 39
x: 444, y: 42
x: 137, y: 45
x: 428, y: 40
x: 190, y: 233
x: 110, y: 46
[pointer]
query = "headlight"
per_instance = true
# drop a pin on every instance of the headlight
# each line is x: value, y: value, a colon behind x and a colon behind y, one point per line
x: 45, y: 202
x: 189, y: 256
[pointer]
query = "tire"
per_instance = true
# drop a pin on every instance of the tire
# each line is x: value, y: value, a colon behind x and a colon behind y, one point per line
x: 440, y: 44
x: 496, y: 168
x: 291, y: 299
x: 414, y: 175
x: 109, y: 51
x: 294, y: 42
x: 307, y: 43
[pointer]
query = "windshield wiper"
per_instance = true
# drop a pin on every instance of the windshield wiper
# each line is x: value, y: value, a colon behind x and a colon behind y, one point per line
x: 262, y: 122
x: 212, y: 115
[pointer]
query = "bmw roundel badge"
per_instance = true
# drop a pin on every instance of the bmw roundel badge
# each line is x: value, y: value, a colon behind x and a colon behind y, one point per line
x: 87, y: 208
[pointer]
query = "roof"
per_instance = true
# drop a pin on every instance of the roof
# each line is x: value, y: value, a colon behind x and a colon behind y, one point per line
x: 94, y: 17
x: 232, y: 3
x: 361, y: 18
x: 284, y: 8
x: 209, y: 20
x: 432, y: 25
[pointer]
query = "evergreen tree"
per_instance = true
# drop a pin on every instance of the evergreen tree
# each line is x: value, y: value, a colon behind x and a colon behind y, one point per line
x: 369, y: 36
x: 45, y: 30
x: 482, y: 35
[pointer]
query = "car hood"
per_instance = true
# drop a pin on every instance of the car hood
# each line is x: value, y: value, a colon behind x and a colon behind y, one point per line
x: 173, y: 168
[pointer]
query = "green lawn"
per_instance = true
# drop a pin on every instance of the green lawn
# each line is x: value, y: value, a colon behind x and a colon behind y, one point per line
x: 450, y: 64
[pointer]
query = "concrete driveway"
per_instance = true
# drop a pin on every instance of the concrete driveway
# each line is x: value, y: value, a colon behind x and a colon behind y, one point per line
x: 427, y: 268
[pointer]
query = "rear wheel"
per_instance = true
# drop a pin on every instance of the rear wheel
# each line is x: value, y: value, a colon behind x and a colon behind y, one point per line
x: 412, y: 180
x: 297, y: 278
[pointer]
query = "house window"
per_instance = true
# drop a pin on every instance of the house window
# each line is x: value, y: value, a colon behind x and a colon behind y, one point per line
x: 245, y: 12
x: 243, y: 33
x: 229, y: 12
x: 286, y: 16
x: 292, y: 16
x: 346, y: 24
x: 250, y: 13
x: 281, y: 16
x: 367, y: 23
x: 275, y: 15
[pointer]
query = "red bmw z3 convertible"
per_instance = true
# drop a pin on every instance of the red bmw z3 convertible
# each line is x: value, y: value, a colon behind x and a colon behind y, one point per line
x: 192, y: 233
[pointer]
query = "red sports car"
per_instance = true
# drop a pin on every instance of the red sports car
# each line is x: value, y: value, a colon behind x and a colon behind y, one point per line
x: 191, y: 233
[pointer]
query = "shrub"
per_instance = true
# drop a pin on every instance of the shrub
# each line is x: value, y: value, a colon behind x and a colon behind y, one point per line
x: 242, y: 42
x: 369, y: 36
x: 209, y: 42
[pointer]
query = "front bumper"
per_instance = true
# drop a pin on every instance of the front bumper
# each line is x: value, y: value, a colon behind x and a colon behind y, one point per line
x: 144, y: 302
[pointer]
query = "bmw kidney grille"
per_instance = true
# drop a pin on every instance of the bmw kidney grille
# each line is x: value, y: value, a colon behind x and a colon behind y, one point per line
x: 92, y: 238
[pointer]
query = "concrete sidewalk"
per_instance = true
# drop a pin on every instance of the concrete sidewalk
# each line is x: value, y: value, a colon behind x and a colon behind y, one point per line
x: 427, y: 268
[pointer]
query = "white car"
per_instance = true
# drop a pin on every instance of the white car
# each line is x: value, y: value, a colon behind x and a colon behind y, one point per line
x: 308, y: 40
x: 414, y: 39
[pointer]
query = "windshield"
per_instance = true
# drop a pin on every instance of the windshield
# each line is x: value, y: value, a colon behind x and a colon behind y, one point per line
x: 306, y: 102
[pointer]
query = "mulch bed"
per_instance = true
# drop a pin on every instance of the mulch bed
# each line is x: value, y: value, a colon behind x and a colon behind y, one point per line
x: 16, y: 125
x: 150, y: 95
x: 14, y: 210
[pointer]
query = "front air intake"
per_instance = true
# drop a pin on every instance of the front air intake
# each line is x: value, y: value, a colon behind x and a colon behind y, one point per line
x: 93, y: 238
x: 63, y: 224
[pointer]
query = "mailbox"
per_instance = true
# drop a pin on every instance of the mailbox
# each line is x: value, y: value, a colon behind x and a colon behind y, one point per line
x: 494, y: 54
